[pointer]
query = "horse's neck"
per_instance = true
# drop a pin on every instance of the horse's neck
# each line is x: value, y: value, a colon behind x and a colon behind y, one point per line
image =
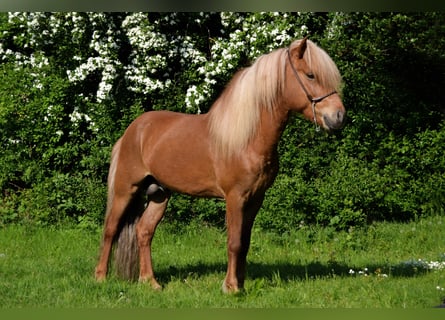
x: 270, y: 129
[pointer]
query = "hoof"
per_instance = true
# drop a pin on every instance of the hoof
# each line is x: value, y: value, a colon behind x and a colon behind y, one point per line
x: 229, y: 289
x: 156, y: 286
x: 153, y: 283
x: 100, y: 276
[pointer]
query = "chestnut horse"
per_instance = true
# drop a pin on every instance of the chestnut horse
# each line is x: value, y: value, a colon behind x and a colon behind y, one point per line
x: 228, y: 153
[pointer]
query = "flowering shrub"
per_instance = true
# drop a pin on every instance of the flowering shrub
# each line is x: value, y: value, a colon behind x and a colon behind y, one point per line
x: 72, y: 82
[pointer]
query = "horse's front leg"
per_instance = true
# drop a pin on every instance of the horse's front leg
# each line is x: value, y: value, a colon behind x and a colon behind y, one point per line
x: 145, y: 230
x: 240, y: 217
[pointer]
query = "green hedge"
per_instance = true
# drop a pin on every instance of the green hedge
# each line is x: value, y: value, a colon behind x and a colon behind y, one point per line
x: 407, y: 183
x: 63, y: 106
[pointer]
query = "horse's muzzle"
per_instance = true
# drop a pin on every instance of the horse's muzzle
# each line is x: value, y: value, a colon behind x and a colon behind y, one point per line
x: 335, y: 120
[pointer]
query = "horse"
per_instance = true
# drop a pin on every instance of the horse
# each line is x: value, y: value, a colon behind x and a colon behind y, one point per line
x: 230, y: 153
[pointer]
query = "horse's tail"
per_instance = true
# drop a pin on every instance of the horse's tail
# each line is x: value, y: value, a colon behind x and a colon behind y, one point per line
x: 126, y: 253
x: 111, y: 175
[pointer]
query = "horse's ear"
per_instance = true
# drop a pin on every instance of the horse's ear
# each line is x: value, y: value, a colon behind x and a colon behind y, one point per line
x: 300, y: 49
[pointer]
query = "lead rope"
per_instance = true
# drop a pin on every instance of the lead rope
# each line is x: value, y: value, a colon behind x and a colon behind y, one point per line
x: 317, y: 126
x: 314, y: 101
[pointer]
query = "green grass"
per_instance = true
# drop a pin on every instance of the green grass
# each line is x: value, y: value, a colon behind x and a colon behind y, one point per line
x: 313, y: 267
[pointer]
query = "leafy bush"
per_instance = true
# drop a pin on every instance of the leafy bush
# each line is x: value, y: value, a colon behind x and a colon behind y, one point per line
x: 406, y: 183
x: 63, y: 106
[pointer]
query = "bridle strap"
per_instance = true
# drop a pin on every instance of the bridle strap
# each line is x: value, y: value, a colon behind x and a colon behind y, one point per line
x: 311, y: 99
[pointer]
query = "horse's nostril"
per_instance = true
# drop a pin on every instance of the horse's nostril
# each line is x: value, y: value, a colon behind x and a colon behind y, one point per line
x: 340, y: 116
x: 335, y: 120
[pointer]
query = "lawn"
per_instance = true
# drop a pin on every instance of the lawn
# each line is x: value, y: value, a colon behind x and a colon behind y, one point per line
x: 385, y: 265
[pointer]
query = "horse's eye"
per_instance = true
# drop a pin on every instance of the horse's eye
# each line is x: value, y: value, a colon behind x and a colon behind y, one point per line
x: 310, y: 76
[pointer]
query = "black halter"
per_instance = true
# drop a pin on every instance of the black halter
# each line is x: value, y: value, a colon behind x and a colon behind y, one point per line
x: 308, y: 95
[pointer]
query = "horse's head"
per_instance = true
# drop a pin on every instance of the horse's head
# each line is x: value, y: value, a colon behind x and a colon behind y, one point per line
x: 315, y: 85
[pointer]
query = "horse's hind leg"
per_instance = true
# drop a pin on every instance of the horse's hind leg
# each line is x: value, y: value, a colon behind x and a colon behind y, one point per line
x: 118, y: 206
x: 145, y: 230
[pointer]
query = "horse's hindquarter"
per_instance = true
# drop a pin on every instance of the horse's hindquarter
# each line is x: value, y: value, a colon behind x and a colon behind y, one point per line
x: 175, y: 150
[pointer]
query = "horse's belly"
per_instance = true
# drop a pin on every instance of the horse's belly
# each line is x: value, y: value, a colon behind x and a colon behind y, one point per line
x: 187, y: 175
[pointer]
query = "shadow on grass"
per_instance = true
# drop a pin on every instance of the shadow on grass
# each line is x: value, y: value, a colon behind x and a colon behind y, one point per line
x: 316, y: 270
x: 290, y: 272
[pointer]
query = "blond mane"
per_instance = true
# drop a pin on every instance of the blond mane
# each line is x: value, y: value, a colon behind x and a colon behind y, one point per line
x: 321, y: 65
x: 234, y: 117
